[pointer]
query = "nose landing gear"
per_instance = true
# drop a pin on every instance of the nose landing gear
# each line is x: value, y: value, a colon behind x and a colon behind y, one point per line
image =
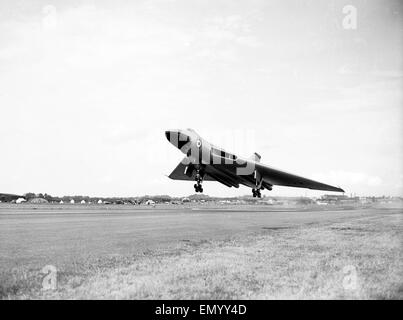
x: 198, y: 188
x: 198, y: 185
x: 258, y: 181
x: 256, y: 193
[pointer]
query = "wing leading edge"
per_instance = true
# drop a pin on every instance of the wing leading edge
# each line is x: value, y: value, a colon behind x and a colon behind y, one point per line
x: 181, y: 173
x: 226, y: 175
x: 185, y: 172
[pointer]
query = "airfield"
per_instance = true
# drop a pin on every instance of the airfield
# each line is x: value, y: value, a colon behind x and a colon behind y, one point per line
x: 206, y: 251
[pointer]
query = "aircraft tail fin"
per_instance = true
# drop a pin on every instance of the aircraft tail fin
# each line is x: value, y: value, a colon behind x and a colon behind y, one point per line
x: 256, y: 157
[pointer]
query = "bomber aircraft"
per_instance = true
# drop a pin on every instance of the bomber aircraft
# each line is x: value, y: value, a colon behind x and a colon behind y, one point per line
x: 206, y: 162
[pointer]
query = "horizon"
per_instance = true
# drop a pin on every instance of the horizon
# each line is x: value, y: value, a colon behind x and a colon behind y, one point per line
x: 351, y: 195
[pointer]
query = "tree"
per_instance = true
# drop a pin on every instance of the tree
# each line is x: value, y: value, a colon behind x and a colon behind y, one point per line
x: 29, y: 195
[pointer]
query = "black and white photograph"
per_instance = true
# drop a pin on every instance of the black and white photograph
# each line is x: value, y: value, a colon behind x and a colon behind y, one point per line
x: 226, y: 150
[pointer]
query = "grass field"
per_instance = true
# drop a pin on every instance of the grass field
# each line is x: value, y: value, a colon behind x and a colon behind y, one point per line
x: 359, y: 258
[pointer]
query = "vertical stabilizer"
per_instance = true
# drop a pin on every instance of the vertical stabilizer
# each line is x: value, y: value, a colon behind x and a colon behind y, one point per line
x: 256, y: 157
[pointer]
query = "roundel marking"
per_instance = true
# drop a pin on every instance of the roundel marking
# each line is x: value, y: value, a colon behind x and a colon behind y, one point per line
x: 198, y: 143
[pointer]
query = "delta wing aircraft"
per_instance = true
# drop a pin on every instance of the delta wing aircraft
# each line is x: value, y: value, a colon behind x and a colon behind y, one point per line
x: 206, y: 162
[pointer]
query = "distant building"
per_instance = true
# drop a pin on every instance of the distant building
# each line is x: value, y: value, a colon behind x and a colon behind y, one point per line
x: 331, y: 199
x: 38, y: 200
x: 20, y: 200
x: 100, y: 201
x: 83, y: 201
x: 150, y: 202
x: 61, y: 202
x: 337, y: 199
x: 72, y: 201
x: 185, y: 200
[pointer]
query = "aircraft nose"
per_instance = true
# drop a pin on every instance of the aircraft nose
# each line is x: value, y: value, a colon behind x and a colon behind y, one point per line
x: 172, y: 135
x: 177, y: 138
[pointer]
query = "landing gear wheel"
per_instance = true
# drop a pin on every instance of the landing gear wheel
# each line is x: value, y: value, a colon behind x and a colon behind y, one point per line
x: 198, y: 187
x: 256, y: 193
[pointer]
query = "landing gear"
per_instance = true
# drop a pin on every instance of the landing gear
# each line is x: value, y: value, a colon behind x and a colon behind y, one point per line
x: 258, y: 181
x: 199, y: 179
x: 256, y: 193
x: 198, y: 188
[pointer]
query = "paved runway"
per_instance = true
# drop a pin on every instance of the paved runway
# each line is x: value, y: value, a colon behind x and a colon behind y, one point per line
x: 61, y: 234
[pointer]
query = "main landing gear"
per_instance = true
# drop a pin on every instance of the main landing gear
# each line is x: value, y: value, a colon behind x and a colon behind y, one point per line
x: 198, y: 185
x: 258, y: 181
x: 256, y: 193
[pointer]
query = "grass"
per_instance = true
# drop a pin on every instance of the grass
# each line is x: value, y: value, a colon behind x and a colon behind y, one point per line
x: 306, y: 262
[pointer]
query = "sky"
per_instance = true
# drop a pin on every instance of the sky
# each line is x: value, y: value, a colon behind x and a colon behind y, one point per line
x: 88, y: 88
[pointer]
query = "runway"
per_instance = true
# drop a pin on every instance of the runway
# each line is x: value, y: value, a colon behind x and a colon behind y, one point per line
x: 34, y: 236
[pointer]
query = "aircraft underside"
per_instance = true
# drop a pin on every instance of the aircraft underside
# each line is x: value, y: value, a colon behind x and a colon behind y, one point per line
x: 206, y: 162
x: 226, y: 177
